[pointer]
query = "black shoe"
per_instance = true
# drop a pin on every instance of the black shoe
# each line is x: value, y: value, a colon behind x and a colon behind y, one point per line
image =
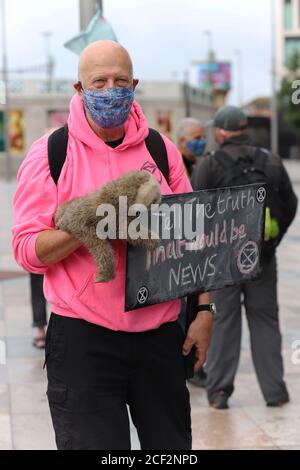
x: 278, y: 403
x: 219, y: 401
x: 199, y: 379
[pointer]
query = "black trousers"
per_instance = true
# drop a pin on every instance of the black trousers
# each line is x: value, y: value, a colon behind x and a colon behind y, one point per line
x: 38, y: 301
x: 93, y: 373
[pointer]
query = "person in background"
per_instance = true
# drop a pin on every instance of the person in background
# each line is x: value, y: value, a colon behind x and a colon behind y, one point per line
x: 191, y: 138
x: 39, y: 311
x: 192, y: 142
x: 237, y: 162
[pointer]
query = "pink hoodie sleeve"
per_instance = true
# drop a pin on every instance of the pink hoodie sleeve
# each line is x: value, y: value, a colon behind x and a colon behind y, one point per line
x: 178, y: 179
x: 35, y: 203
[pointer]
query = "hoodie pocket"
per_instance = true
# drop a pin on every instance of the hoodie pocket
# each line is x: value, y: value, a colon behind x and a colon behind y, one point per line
x: 95, y: 296
x: 90, y: 296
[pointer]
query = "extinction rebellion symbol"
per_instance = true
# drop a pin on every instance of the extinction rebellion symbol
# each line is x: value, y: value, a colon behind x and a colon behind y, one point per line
x: 142, y: 295
x: 248, y: 258
x: 261, y: 195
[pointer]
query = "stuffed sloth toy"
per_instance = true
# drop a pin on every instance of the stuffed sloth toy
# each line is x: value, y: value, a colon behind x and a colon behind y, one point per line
x: 78, y: 218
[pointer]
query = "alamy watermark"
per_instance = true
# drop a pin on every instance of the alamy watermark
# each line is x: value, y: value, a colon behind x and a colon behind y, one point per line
x: 296, y: 94
x: 159, y: 221
x: 296, y: 354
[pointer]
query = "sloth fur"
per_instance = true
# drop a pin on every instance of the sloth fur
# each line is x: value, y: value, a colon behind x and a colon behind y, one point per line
x: 78, y: 218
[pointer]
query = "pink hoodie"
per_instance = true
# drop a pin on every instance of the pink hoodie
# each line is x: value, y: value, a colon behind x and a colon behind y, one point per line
x: 70, y: 285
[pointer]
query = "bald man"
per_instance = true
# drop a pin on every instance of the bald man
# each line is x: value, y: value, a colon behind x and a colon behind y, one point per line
x: 100, y: 358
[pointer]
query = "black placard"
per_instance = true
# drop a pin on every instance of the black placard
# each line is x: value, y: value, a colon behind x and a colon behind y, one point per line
x: 226, y: 252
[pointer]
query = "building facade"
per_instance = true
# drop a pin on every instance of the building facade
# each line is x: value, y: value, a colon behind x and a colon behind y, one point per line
x: 35, y: 111
x: 288, y: 32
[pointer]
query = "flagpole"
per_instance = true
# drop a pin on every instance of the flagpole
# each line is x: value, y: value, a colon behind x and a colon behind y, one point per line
x: 87, y: 9
x: 6, y: 94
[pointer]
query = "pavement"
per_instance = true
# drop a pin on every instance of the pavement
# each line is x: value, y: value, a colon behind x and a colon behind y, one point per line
x: 24, y: 415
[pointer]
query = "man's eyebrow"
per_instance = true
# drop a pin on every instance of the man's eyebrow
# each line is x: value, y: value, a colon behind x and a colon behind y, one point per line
x: 98, y: 77
x: 105, y: 77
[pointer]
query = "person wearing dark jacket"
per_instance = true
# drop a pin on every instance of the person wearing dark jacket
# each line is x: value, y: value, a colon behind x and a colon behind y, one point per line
x: 39, y: 309
x: 191, y: 142
x: 260, y: 296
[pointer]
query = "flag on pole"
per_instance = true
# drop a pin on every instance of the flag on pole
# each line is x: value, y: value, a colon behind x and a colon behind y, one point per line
x: 98, y: 28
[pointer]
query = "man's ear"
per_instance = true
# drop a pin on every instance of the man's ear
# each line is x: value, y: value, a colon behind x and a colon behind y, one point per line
x: 78, y: 88
x: 135, y: 83
x: 220, y: 132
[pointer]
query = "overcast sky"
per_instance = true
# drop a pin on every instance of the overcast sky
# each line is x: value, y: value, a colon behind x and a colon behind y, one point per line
x: 162, y: 36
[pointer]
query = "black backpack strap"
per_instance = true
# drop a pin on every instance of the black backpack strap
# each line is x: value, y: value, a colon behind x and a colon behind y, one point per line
x: 260, y: 159
x: 58, y: 143
x: 157, y: 149
x: 57, y: 151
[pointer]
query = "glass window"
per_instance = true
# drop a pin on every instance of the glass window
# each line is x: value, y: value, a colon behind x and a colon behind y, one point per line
x: 292, y: 45
x: 288, y: 14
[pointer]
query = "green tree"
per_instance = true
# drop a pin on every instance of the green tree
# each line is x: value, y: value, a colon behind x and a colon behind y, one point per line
x: 290, y: 110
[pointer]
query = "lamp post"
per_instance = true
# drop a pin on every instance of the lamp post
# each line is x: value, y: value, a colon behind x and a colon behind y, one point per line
x: 239, y: 56
x: 274, y: 101
x: 208, y: 34
x: 210, y: 60
x: 49, y: 59
x: 8, y: 169
x: 186, y: 93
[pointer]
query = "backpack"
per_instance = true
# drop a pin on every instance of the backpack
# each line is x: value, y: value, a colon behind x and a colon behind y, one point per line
x: 244, y: 170
x: 251, y: 169
x: 58, y: 143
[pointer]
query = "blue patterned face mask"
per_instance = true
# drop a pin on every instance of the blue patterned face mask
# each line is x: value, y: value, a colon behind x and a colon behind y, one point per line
x: 108, y: 108
x: 196, y: 147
